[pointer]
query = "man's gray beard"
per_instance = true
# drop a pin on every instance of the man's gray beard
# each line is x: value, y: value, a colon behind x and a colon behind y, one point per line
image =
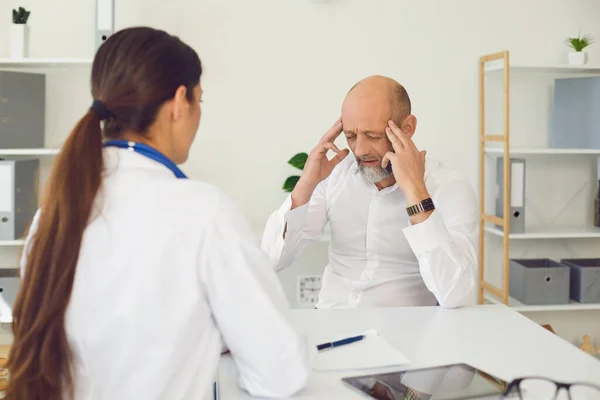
x: 373, y: 174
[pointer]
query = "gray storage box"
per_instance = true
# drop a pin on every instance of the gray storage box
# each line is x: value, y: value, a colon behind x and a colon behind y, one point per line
x: 22, y: 110
x: 539, y: 281
x: 585, y: 279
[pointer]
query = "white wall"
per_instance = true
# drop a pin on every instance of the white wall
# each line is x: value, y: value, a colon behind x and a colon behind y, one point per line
x: 277, y: 71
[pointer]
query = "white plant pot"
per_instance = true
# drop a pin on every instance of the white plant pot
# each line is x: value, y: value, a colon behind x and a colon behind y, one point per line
x: 577, y: 58
x: 19, y: 40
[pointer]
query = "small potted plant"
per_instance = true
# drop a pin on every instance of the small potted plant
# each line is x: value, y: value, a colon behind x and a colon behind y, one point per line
x: 578, y: 57
x: 19, y: 33
x: 296, y: 161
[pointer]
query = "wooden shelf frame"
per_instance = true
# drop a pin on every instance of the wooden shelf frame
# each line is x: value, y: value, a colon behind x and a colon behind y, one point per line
x: 485, y: 138
x: 498, y: 143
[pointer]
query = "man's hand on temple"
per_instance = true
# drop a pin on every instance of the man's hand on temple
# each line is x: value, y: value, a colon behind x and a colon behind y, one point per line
x: 408, y: 167
x: 408, y: 164
x: 318, y: 167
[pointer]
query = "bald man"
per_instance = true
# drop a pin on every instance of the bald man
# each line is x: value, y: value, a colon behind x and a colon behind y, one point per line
x: 403, y: 226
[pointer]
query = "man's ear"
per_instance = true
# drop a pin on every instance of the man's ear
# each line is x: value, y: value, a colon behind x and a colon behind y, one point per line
x: 180, y: 102
x: 409, y: 125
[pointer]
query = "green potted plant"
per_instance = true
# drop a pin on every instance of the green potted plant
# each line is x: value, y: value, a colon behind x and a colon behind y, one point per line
x: 297, y: 161
x: 578, y: 57
x: 19, y: 33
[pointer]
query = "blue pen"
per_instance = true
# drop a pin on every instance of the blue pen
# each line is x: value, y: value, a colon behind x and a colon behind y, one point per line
x: 340, y: 342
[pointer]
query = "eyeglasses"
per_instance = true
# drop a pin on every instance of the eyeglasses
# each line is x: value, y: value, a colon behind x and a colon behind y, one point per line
x: 544, y: 388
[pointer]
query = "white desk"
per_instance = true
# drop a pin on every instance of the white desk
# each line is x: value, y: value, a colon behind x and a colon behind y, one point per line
x: 493, y: 338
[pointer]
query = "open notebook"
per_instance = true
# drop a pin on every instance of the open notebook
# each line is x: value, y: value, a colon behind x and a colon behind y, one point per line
x: 371, y: 352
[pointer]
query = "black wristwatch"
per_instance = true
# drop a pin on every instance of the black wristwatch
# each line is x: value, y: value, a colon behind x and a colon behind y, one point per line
x: 422, y: 206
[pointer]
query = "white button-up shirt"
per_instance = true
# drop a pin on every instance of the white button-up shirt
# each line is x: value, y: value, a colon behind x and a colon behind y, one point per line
x: 169, y: 271
x: 376, y: 257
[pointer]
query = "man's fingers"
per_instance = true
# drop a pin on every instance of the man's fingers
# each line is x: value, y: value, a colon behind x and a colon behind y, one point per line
x: 396, y: 143
x: 329, y: 146
x: 402, y: 137
x: 339, y: 157
x: 387, y: 158
x: 333, y: 132
x: 337, y: 121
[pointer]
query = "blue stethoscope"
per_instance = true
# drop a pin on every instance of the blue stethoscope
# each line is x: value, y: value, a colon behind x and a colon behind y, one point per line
x: 147, y: 151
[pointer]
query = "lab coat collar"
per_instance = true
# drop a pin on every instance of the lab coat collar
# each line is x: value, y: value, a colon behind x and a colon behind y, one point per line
x: 115, y: 157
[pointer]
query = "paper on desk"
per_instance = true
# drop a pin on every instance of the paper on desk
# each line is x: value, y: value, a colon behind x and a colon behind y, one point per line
x: 371, y: 352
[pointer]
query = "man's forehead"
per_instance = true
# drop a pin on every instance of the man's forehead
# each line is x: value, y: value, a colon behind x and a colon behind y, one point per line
x: 364, y: 113
x: 364, y: 121
x: 362, y: 129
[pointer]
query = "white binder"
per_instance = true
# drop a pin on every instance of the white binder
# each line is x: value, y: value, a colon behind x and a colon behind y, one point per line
x: 18, y: 196
x: 6, y: 188
x: 105, y: 21
x: 517, y: 193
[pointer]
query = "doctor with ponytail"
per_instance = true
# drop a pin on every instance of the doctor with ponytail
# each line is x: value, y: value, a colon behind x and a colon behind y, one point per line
x: 134, y: 277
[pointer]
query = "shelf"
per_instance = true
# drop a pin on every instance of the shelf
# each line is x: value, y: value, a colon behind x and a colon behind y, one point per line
x: 542, y: 150
x: 520, y: 307
x: 28, y: 152
x: 556, y: 69
x: 44, y: 62
x: 550, y: 232
x: 12, y: 242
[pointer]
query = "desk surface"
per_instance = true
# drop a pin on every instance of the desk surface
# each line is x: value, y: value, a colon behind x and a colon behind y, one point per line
x: 495, y: 339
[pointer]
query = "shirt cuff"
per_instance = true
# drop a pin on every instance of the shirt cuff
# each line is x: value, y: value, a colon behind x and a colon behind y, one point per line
x: 427, y: 235
x: 296, y: 218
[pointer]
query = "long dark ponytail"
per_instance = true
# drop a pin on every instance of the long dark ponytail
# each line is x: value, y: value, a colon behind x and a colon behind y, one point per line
x: 134, y: 72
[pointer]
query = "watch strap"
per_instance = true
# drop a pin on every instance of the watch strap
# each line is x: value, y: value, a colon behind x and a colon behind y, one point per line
x: 422, y: 206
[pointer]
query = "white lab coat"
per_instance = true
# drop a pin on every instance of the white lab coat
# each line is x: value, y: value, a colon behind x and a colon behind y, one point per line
x: 167, y: 272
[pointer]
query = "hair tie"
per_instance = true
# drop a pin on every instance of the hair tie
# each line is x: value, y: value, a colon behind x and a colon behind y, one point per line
x: 100, y: 109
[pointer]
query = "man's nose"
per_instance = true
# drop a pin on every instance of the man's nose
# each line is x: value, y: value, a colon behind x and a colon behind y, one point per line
x: 362, y: 147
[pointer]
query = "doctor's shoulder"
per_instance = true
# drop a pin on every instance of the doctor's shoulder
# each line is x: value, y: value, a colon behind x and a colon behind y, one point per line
x: 189, y: 195
x: 202, y: 202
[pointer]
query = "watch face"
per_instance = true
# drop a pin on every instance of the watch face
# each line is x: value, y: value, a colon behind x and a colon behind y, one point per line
x: 427, y: 204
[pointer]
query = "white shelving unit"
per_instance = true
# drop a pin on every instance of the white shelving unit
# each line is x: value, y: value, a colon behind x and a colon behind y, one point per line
x: 524, y: 151
x: 499, y: 144
x: 550, y: 232
x: 29, y: 152
x: 520, y: 307
x: 44, y: 62
x: 38, y: 64
x: 12, y: 243
x: 498, y: 65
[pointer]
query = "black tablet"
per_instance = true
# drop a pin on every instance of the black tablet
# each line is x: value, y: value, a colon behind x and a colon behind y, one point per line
x: 448, y: 382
